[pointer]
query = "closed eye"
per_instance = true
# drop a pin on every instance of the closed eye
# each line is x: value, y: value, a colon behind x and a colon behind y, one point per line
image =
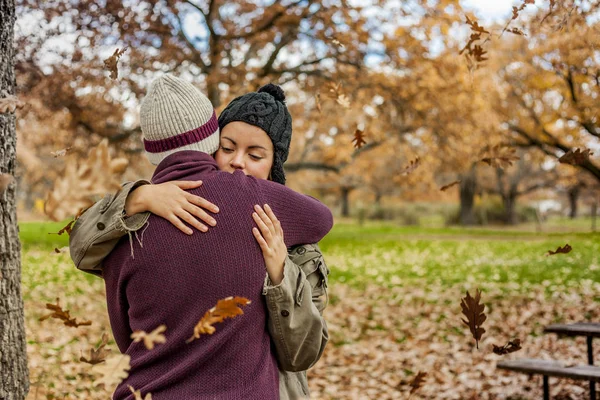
x: 226, y: 149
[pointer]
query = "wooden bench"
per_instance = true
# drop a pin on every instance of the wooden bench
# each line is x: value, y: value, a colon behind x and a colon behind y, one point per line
x: 553, y: 368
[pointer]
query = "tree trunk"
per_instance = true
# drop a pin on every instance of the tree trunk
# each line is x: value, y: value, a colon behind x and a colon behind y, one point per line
x: 573, y: 198
x: 14, y: 376
x: 345, y: 194
x: 468, y: 186
x: 510, y: 206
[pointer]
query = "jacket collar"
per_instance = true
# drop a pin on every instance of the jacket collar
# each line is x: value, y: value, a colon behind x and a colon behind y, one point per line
x: 185, y: 164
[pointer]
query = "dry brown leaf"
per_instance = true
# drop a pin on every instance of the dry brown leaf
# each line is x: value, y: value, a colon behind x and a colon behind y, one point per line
x: 10, y: 104
x: 510, y: 347
x: 475, y: 315
x: 500, y: 156
x: 99, y: 354
x: 338, y: 43
x: 150, y: 339
x: 516, y: 31
x: 318, y: 101
x: 359, y: 138
x: 5, y: 180
x: 113, y: 371
x: 137, y: 395
x: 448, y: 186
x: 343, y: 100
x: 61, y: 153
x: 414, y: 164
x: 111, y: 63
x: 63, y: 315
x: 62, y: 250
x: 561, y: 250
x: 417, y: 382
x: 576, y: 157
x: 225, y: 308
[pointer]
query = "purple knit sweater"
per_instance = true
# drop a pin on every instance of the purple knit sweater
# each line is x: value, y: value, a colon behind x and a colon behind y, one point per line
x: 175, y: 278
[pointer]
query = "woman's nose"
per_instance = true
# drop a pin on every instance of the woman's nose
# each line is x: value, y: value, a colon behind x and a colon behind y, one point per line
x: 237, y: 162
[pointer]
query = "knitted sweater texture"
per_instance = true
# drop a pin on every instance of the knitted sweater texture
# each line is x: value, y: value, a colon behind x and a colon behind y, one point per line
x: 175, y: 278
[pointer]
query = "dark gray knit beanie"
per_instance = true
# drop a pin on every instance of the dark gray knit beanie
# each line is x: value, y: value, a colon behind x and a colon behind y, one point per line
x: 267, y: 110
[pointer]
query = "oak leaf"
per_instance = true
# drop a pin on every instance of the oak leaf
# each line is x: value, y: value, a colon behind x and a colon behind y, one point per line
x: 414, y: 164
x: 510, y: 347
x: 448, y: 186
x: 417, y: 382
x: 61, y: 153
x: 474, y: 313
x: 343, y: 101
x: 137, y: 394
x: 359, y: 138
x: 576, y: 157
x: 63, y: 315
x: 5, y: 180
x: 156, y: 336
x: 111, y: 63
x: 225, y: 308
x: 561, y: 250
x: 500, y: 156
x: 99, y: 354
x: 113, y: 371
x: 9, y: 104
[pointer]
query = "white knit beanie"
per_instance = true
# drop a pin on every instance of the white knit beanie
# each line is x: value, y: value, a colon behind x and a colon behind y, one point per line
x: 176, y: 116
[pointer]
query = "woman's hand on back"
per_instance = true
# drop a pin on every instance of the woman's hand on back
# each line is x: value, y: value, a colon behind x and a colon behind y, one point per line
x: 170, y: 201
x: 270, y: 239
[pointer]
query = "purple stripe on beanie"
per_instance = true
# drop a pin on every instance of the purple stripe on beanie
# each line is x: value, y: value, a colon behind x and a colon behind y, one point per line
x: 194, y: 136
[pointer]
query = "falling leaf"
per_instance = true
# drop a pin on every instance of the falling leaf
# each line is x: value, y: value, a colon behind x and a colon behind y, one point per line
x: 225, y: 308
x: 510, y: 347
x: 10, y: 104
x: 63, y: 315
x: 62, y: 250
x: 61, y: 153
x: 576, y: 157
x: 475, y: 315
x: 516, y: 31
x: 318, y: 101
x: 68, y: 228
x: 417, y: 382
x: 5, y: 180
x: 337, y: 43
x: 359, y: 138
x: 475, y: 27
x: 111, y: 63
x: 151, y: 338
x: 335, y: 90
x: 448, y: 186
x: 500, y: 156
x: 561, y: 250
x: 99, y: 354
x: 343, y: 100
x: 414, y: 164
x: 113, y: 371
x: 138, y: 394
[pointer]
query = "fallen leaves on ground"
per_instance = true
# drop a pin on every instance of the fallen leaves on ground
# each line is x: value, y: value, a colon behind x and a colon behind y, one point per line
x: 475, y: 315
x: 152, y: 338
x: 225, y: 308
x: 418, y: 382
x: 510, y: 347
x: 63, y: 315
x: 561, y: 250
x: 99, y: 354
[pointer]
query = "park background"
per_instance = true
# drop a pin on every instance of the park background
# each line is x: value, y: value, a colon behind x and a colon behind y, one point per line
x: 434, y: 130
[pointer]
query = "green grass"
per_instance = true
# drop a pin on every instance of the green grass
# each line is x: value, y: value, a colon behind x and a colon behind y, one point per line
x: 43, y: 235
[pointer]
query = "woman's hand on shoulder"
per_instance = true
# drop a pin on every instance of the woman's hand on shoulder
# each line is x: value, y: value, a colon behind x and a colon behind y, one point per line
x: 269, y: 236
x: 170, y: 201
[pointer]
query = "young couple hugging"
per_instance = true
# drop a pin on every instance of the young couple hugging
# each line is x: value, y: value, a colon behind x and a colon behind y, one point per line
x: 228, y: 173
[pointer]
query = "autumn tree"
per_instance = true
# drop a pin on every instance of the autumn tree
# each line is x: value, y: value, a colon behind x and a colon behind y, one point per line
x: 14, y: 375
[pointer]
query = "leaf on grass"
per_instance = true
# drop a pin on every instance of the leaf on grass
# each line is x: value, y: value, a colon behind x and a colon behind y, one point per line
x: 111, y: 63
x: 359, y: 138
x: 5, y: 180
x: 343, y: 101
x: 225, y: 308
x: 448, y: 186
x: 61, y: 153
x: 137, y: 395
x: 417, y: 382
x: 156, y: 336
x: 113, y: 371
x: 561, y: 250
x: 500, y: 156
x: 576, y: 157
x: 9, y: 104
x: 414, y: 164
x: 63, y: 315
x: 474, y: 313
x: 99, y: 354
x: 510, y: 347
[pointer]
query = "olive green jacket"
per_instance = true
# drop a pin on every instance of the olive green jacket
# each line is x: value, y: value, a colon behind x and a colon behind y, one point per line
x: 295, y: 306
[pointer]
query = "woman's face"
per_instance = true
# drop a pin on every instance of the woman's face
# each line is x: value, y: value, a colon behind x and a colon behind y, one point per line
x: 247, y: 148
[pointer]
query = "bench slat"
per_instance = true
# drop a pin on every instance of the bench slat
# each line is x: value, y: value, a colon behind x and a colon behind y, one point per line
x: 552, y: 368
x: 577, y: 329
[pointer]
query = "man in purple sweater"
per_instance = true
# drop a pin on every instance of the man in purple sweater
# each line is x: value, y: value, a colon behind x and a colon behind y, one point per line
x: 175, y: 278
